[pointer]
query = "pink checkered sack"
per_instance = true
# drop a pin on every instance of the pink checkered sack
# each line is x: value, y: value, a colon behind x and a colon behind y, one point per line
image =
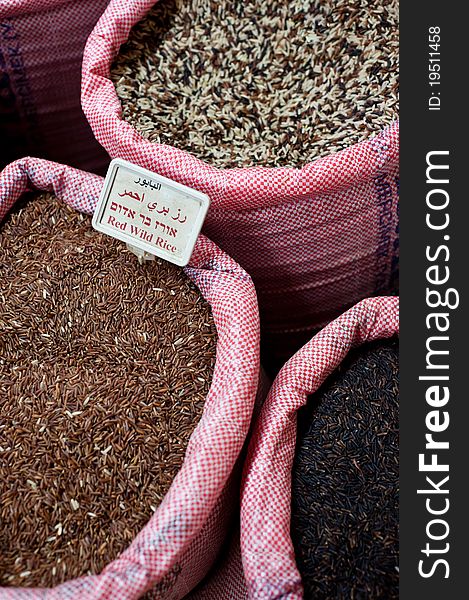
x: 180, y: 542
x: 315, y: 239
x: 41, y: 49
x: 266, y: 547
x: 226, y: 580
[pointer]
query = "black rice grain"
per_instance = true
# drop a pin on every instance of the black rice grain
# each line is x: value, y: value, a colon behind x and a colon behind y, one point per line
x: 345, y: 480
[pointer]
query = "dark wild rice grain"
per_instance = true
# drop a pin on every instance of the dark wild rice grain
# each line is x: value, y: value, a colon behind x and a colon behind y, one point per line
x: 345, y: 481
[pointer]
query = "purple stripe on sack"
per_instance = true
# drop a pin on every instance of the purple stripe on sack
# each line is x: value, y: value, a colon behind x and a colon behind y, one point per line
x: 41, y: 49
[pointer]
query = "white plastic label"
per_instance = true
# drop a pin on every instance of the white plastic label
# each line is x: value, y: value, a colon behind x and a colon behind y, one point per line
x: 150, y: 212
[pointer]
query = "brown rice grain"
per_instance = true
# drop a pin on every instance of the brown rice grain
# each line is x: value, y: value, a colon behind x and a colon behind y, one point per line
x: 97, y: 400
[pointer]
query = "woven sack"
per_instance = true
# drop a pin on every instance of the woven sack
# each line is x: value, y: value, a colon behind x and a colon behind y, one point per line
x: 180, y: 542
x: 41, y: 49
x: 266, y: 547
x: 225, y: 581
x: 315, y: 239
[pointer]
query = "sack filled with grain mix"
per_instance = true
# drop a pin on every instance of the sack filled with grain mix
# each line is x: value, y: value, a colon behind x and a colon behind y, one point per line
x: 41, y: 50
x: 285, y: 115
x: 319, y: 500
x: 126, y: 396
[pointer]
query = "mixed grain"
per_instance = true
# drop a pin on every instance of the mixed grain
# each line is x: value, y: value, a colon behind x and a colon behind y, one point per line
x: 104, y: 368
x: 244, y: 83
x: 345, y: 480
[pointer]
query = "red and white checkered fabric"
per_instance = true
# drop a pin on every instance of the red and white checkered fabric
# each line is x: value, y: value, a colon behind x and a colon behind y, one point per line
x: 266, y: 547
x: 226, y: 580
x: 178, y: 545
x: 41, y: 50
x: 315, y: 239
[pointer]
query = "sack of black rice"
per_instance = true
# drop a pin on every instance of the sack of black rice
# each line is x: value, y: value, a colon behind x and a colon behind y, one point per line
x: 319, y: 503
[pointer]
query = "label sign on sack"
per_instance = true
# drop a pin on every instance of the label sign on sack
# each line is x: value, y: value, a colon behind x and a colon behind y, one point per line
x: 150, y: 212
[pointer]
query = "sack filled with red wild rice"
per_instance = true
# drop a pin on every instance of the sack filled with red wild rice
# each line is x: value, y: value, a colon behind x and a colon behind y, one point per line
x: 286, y: 116
x: 126, y: 394
x: 319, y: 503
x: 41, y: 51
